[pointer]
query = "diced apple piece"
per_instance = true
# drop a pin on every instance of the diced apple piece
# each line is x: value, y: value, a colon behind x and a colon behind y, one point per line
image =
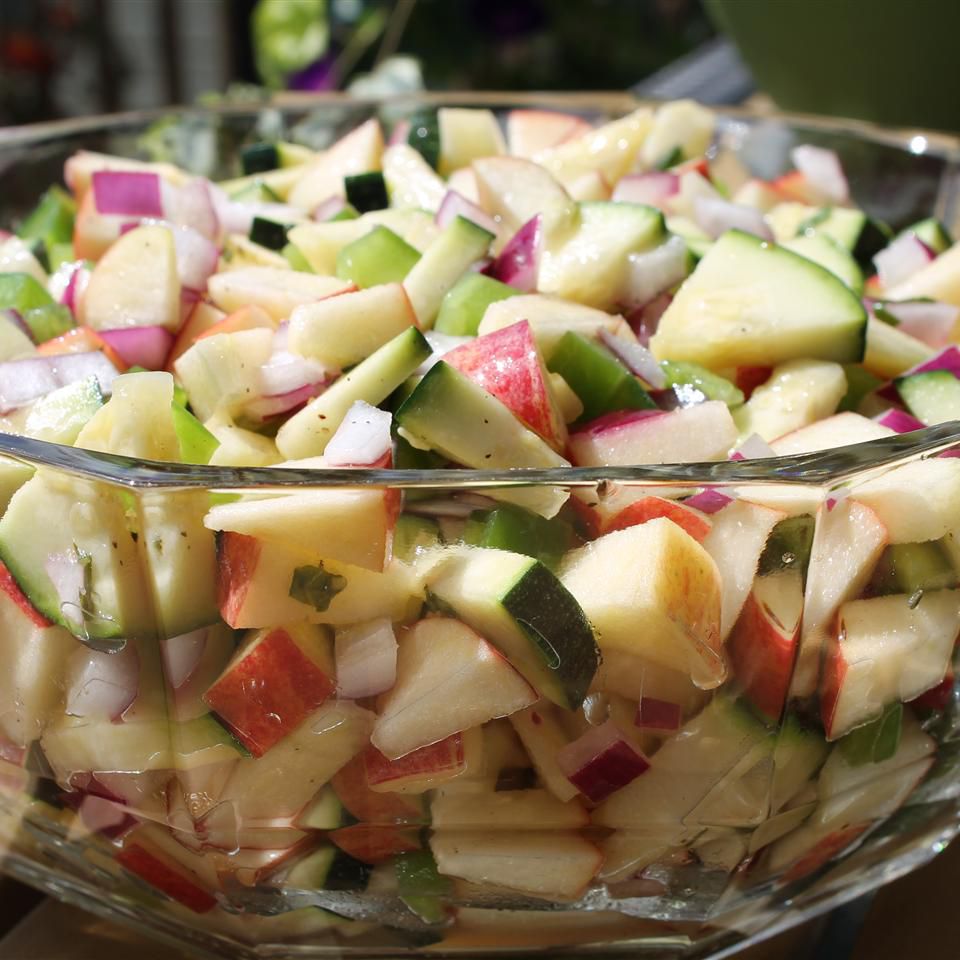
x: 531, y: 131
x: 278, y: 292
x: 691, y: 434
x: 737, y: 538
x: 679, y: 126
x: 601, y: 761
x: 840, y: 430
x: 358, y: 152
x: 341, y: 331
x: 376, y: 842
x: 162, y: 868
x: 281, y: 782
x: 80, y: 167
x: 506, y: 810
x: 368, y: 806
x: 273, y: 683
x: 916, y: 502
x: 798, y: 393
x: 626, y: 853
x: 543, y: 737
x: 636, y: 678
x: 448, y: 679
x: 763, y: 642
x: 411, y: 182
x: 938, y: 280
x: 550, y: 318
x: 136, y: 283
x: 260, y: 583
x: 649, y: 508
x: 652, y: 590
x: 715, y: 771
x: 611, y: 149
x: 348, y: 525
x: 550, y: 864
x: 465, y: 135
x: 507, y: 364
x: 426, y: 768
x: 886, y: 649
x: 847, y: 543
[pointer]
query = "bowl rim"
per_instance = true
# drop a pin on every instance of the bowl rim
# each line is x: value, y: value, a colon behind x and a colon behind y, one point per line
x: 823, y: 468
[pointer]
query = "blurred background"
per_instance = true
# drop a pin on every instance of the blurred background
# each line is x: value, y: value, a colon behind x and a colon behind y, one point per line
x: 71, y: 57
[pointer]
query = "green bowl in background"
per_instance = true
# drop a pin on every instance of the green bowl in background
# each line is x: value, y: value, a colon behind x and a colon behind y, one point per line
x: 890, y: 61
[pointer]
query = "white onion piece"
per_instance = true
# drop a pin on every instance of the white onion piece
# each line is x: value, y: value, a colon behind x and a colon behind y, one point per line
x: 197, y: 257
x: 280, y: 336
x: 192, y: 205
x: 265, y: 408
x: 929, y: 321
x: 716, y: 216
x: 60, y: 280
x: 362, y: 439
x: 651, y: 273
x: 181, y: 655
x: 102, y: 685
x: 366, y: 656
x: 329, y: 208
x: 236, y: 216
x: 285, y: 372
x: 651, y: 188
x: 753, y: 448
x: 103, y: 816
x: 32, y: 377
x: 901, y: 259
x: 457, y: 509
x: 638, y: 359
x: 66, y: 575
x: 440, y: 343
x: 823, y: 171
x: 456, y: 205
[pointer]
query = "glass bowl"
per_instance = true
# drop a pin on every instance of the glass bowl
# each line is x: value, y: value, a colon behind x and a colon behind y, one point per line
x: 746, y: 821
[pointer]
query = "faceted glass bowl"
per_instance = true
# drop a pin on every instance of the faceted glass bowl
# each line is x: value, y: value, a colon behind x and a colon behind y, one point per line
x: 746, y: 833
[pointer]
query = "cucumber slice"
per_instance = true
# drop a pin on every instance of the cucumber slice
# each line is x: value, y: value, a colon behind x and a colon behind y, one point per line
x: 931, y: 232
x: 269, y: 233
x: 366, y: 191
x: 820, y: 248
x: 258, y: 158
x: 197, y: 443
x: 602, y: 382
x: 21, y: 292
x: 379, y: 256
x: 751, y: 302
x: 424, y: 136
x: 51, y: 220
x: 891, y: 352
x: 307, y: 433
x: 61, y: 415
x: 324, y: 812
x: 49, y: 321
x: 693, y: 383
x: 420, y: 886
x: 516, y: 530
x: 413, y: 536
x: 449, y: 413
x: 463, y: 307
x: 909, y: 567
x: 853, y: 230
x: 255, y: 190
x: 446, y: 259
x: 933, y: 396
x: 328, y: 868
x: 517, y: 604
x: 294, y: 256
x: 788, y: 546
x: 860, y: 382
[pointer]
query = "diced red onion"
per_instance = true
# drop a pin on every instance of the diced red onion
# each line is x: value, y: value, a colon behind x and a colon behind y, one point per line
x: 181, y: 655
x: 102, y: 685
x: 716, y: 216
x: 140, y: 346
x: 265, y: 408
x: 60, y: 279
x: 650, y: 188
x: 22, y: 381
x: 519, y: 261
x: 823, y: 171
x: 899, y: 421
x: 902, y: 259
x: 644, y: 320
x: 104, y: 816
x: 285, y: 372
x: 601, y: 762
x: 127, y: 193
x: 456, y: 205
x: 76, y: 286
x: 638, y: 359
x: 191, y: 205
x: 931, y: 322
x: 653, y: 714
x: 400, y: 132
x: 708, y: 501
x: 366, y: 658
x: 329, y: 208
x: 753, y: 448
x: 651, y: 273
x: 946, y: 359
x: 362, y: 439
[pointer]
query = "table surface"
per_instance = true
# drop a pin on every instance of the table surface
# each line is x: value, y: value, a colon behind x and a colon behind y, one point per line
x: 915, y: 914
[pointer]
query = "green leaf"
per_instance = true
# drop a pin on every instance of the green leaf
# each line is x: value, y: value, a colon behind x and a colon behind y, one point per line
x: 315, y: 586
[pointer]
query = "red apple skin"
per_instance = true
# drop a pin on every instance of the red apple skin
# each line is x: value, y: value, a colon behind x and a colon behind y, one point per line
x: 350, y: 785
x: 375, y: 843
x: 269, y: 692
x: 12, y: 589
x: 936, y: 698
x: 831, y: 683
x: 749, y: 378
x: 237, y: 559
x: 650, y: 508
x: 175, y: 883
x: 508, y: 365
x: 435, y: 757
x: 762, y: 657
x: 551, y: 128
x: 829, y: 847
x: 653, y: 714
